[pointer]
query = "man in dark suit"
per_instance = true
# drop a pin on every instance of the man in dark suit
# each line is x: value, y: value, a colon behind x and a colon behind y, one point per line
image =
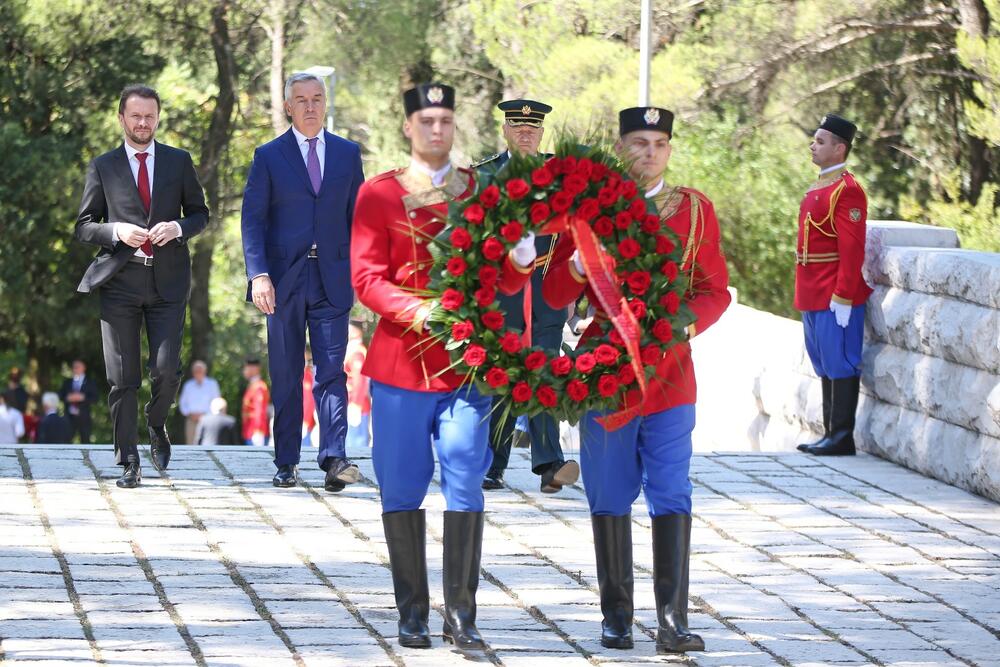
x: 297, y: 212
x: 217, y: 428
x: 77, y: 394
x: 54, y: 429
x: 141, y: 204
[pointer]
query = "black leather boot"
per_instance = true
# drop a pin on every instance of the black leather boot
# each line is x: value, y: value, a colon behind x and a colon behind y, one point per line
x: 405, y: 535
x: 159, y: 447
x: 842, y: 416
x: 131, y: 475
x: 671, y: 560
x: 827, y: 408
x: 463, y: 548
x: 613, y: 548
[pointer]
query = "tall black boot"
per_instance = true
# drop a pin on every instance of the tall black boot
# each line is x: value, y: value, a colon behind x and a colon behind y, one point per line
x: 671, y: 560
x: 827, y: 385
x: 463, y: 548
x: 613, y: 548
x: 405, y: 535
x: 845, y: 407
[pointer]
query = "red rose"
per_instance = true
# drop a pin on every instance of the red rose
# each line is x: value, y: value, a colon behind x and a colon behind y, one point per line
x: 607, y: 196
x: 616, y: 337
x: 490, y: 196
x: 521, y: 392
x: 599, y: 171
x: 456, y: 266
x: 638, y: 282
x: 638, y: 308
x: 585, y: 362
x: 664, y: 245
x: 535, y: 360
x: 474, y: 214
x: 670, y: 270
x: 574, y: 184
x: 671, y: 302
x: 651, y: 224
x: 628, y: 248
x: 569, y: 163
x: 588, y: 209
x: 542, y: 177
x: 510, y: 342
x: 452, y: 299
x: 474, y: 356
x: 638, y: 209
x: 623, y: 220
x: 492, y: 249
x: 630, y: 190
x: 496, y: 377
x: 517, y: 188
x: 651, y: 355
x: 512, y: 231
x: 488, y: 275
x: 461, y: 239
x: 492, y: 319
x: 561, y: 201
x: 561, y: 366
x: 662, y: 331
x: 605, y: 354
x: 547, y: 396
x: 584, y: 167
x: 626, y: 375
x: 555, y: 165
x: 539, y: 212
x: 603, y: 226
x: 614, y: 180
x: 485, y: 296
x: 577, y: 390
x: 607, y: 386
x: 462, y: 330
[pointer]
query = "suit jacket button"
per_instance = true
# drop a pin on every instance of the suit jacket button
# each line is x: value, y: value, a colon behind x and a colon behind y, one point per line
x: 413, y: 214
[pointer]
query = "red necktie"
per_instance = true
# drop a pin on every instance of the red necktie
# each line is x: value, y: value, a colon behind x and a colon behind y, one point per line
x: 143, y: 183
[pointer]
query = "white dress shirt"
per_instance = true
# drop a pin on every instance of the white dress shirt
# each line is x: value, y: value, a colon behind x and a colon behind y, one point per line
x: 437, y: 175
x: 133, y: 163
x: 303, y: 142
x: 196, y: 398
x: 823, y: 172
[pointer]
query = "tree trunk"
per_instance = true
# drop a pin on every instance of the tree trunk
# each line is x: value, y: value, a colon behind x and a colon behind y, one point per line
x: 975, y: 19
x: 276, y: 31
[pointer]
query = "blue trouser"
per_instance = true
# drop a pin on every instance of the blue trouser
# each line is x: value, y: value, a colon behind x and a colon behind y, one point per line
x: 835, y: 351
x: 307, y: 305
x: 543, y: 429
x: 651, y: 453
x: 408, y: 426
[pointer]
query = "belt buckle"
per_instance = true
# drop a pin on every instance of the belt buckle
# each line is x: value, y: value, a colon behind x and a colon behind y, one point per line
x: 147, y: 261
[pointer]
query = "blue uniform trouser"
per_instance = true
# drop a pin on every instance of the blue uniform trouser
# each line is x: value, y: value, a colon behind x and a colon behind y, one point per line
x: 651, y: 453
x: 542, y: 428
x: 408, y: 426
x: 835, y: 351
x: 307, y: 305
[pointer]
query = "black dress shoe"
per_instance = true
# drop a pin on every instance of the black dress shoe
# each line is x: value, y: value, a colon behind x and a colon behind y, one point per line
x: 559, y: 475
x: 286, y: 477
x: 339, y: 473
x: 159, y: 448
x: 132, y: 475
x: 493, y: 481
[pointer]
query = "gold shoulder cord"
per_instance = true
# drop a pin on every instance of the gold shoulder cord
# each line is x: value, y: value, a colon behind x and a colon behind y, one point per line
x: 548, y: 257
x: 809, y: 222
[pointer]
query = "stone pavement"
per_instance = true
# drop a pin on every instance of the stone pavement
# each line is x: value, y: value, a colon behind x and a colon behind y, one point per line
x: 797, y: 561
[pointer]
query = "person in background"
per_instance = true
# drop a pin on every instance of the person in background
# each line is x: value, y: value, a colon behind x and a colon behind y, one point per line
x: 77, y: 394
x: 16, y: 395
x: 54, y: 429
x: 359, y: 402
x: 256, y: 400
x: 197, y: 395
x: 11, y: 423
x: 308, y: 401
x: 217, y: 427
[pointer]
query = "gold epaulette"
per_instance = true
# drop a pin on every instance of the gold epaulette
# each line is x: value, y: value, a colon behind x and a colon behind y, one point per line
x: 476, y: 165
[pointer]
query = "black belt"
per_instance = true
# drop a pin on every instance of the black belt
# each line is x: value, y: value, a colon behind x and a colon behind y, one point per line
x: 145, y: 261
x: 312, y: 254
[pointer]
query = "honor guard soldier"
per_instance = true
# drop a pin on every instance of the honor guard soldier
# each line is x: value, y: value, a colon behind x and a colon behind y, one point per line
x: 652, y: 452
x: 829, y: 288
x: 416, y: 399
x: 523, y: 130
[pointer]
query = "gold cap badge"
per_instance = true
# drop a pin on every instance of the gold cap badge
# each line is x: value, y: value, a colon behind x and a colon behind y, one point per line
x: 526, y: 109
x: 652, y: 116
x: 435, y: 95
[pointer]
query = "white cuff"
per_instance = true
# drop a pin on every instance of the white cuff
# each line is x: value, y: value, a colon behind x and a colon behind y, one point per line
x: 114, y: 232
x: 180, y: 230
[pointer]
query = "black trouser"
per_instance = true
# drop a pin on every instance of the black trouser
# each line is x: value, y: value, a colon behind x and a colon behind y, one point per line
x: 81, y: 425
x: 127, y: 300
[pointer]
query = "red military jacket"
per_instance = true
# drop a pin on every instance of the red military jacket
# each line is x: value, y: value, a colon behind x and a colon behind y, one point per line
x: 831, y: 245
x: 691, y: 216
x: 396, y: 212
x: 256, y: 399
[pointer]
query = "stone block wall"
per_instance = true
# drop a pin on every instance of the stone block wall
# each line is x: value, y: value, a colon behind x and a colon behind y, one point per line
x: 931, y: 380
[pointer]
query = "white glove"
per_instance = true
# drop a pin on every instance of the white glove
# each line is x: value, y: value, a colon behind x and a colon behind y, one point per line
x: 257, y: 439
x: 524, y: 252
x: 842, y: 311
x: 578, y: 263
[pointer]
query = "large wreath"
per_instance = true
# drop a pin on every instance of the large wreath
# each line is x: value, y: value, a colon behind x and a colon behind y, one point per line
x: 632, y: 262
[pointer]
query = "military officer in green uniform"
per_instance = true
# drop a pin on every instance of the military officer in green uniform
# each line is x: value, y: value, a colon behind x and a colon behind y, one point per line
x: 523, y: 130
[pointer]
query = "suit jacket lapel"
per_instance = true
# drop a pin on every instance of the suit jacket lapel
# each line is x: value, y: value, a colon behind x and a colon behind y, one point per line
x: 125, y: 174
x: 328, y: 161
x: 160, y: 169
x: 290, y: 149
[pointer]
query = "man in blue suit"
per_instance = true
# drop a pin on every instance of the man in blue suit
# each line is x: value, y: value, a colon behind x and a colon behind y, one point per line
x: 297, y: 210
